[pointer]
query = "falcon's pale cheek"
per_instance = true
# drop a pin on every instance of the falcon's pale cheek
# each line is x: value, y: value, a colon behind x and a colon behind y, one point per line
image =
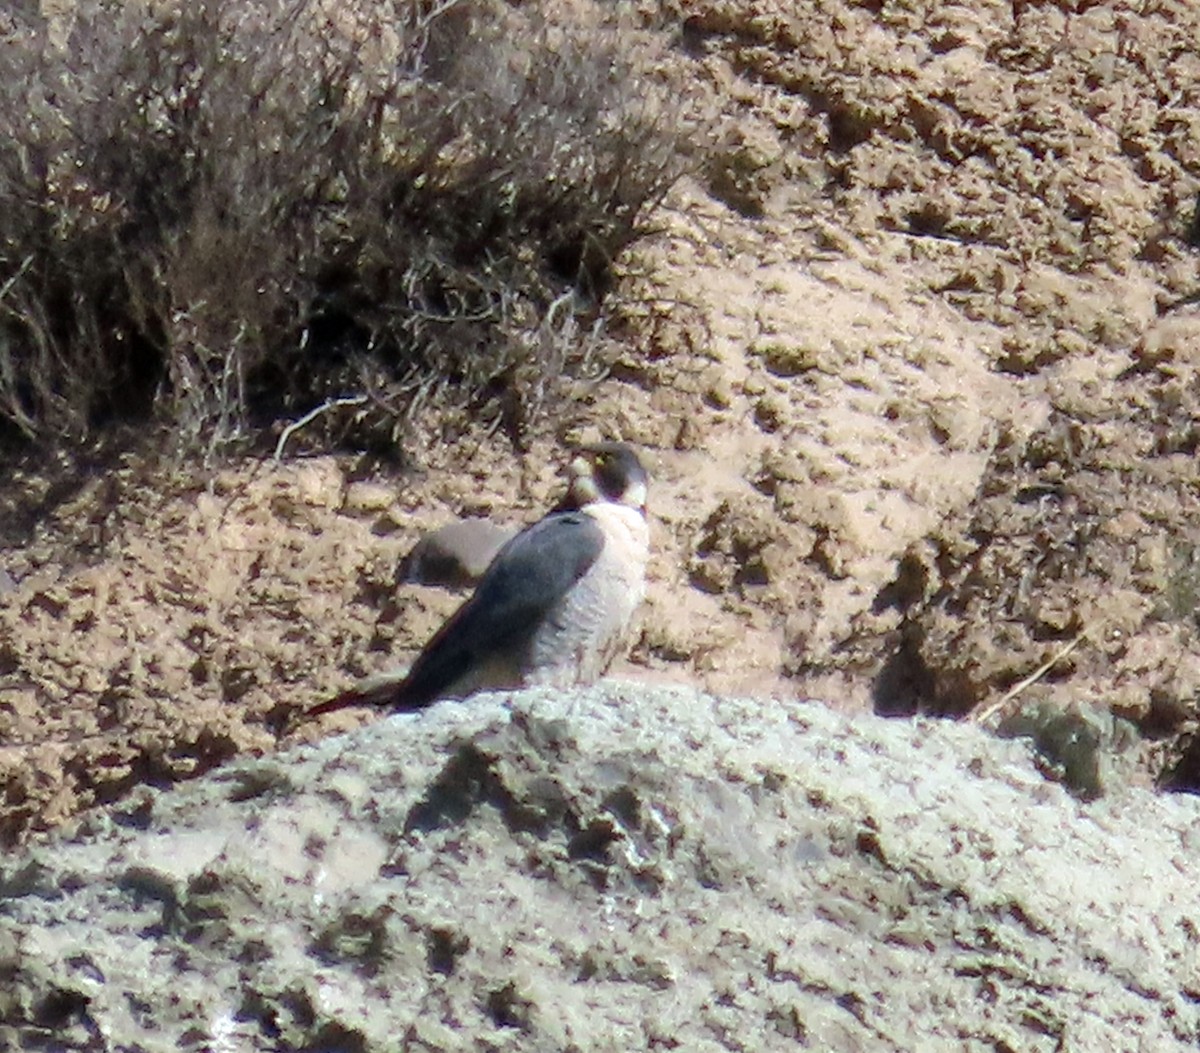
x: 635, y: 495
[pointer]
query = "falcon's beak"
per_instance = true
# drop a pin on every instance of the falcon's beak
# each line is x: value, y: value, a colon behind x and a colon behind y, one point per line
x: 581, y: 481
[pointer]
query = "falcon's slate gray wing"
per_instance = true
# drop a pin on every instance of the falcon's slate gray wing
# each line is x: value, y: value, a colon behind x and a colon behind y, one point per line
x: 527, y: 579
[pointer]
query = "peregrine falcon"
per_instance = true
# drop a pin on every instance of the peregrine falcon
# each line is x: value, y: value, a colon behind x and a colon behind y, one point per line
x: 554, y: 607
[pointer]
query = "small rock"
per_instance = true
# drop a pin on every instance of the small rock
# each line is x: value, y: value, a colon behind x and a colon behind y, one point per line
x: 455, y: 555
x: 368, y: 497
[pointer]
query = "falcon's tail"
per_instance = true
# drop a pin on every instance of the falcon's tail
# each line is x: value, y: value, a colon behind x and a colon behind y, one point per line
x: 380, y: 691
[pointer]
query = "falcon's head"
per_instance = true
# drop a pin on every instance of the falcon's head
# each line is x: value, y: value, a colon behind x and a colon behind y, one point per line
x: 608, y: 471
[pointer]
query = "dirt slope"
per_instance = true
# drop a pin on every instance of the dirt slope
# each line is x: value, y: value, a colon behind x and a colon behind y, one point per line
x: 914, y: 361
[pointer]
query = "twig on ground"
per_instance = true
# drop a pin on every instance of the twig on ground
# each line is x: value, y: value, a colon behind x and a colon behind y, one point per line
x: 990, y: 710
x: 308, y: 418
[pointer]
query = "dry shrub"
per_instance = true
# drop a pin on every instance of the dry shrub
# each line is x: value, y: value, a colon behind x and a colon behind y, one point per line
x: 218, y: 213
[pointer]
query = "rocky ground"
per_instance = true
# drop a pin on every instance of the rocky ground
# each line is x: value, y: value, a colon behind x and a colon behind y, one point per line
x: 913, y: 358
x: 625, y: 868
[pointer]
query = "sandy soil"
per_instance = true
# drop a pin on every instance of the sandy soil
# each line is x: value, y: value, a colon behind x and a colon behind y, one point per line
x: 914, y: 361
